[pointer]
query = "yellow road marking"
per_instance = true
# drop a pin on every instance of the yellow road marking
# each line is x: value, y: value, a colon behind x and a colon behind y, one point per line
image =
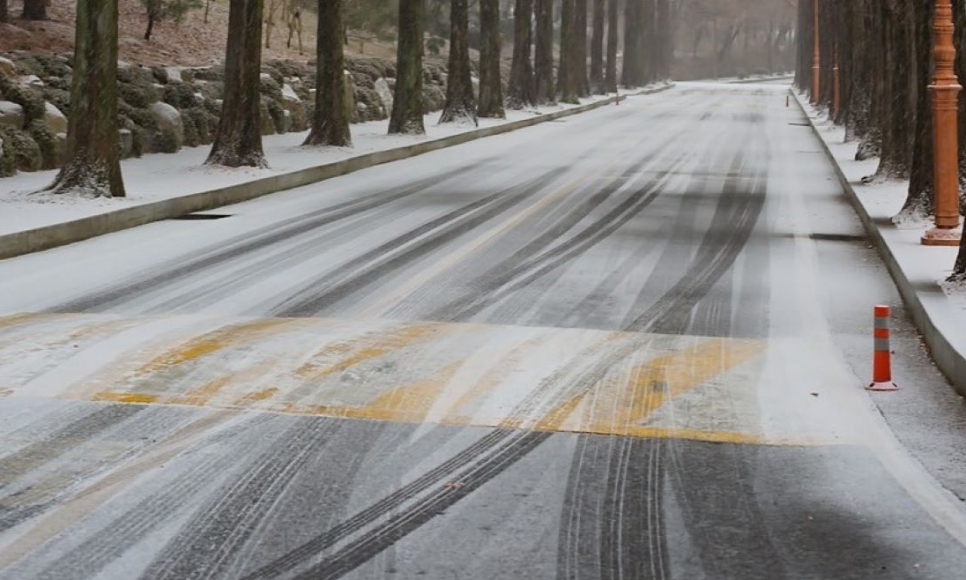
x: 620, y: 406
x: 391, y: 340
x: 124, y: 397
x: 211, y: 342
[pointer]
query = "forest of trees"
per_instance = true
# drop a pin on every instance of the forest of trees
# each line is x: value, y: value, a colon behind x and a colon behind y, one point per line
x: 875, y: 68
x: 558, y: 55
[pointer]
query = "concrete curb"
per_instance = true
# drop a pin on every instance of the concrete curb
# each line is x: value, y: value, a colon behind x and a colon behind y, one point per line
x: 52, y: 236
x: 764, y: 80
x: 946, y: 355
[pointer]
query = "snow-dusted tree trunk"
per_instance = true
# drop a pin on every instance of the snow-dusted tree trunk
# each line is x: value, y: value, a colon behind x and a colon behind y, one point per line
x: 543, y: 57
x: 238, y: 141
x: 330, y: 121
x: 460, y: 106
x: 520, y: 92
x: 610, y: 72
x: 597, y: 48
x: 919, y: 200
x: 631, y: 73
x: 407, y: 100
x: 568, y: 88
x: 664, y: 39
x: 491, y: 85
x: 579, y: 61
x: 93, y: 155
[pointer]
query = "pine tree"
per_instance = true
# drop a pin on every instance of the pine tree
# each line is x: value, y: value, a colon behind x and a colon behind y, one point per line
x: 238, y: 140
x: 521, y: 91
x: 460, y: 106
x: 407, y: 101
x: 93, y: 167
x: 330, y: 122
x: 491, y: 85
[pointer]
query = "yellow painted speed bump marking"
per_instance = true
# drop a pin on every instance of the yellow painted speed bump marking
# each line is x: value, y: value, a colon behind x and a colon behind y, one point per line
x: 124, y: 397
x: 211, y: 342
x: 352, y: 353
x: 619, y: 406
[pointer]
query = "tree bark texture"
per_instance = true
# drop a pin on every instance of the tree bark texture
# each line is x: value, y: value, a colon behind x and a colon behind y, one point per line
x: 407, y: 102
x: 663, y: 33
x: 568, y: 89
x: 491, y: 85
x: 34, y: 10
x: 238, y: 140
x: 579, y: 61
x: 898, y: 134
x: 543, y: 56
x: 631, y: 73
x: 4, y: 11
x: 460, y: 106
x: 521, y: 91
x: 919, y: 200
x: 597, y: 47
x: 93, y: 167
x: 610, y: 72
x: 330, y: 121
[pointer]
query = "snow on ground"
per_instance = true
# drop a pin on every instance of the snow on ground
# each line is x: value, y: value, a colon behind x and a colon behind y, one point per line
x: 930, y: 266
x: 162, y: 176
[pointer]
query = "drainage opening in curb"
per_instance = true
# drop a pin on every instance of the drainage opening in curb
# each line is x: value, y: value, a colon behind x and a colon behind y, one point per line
x: 799, y: 124
x: 839, y: 238
x: 201, y: 216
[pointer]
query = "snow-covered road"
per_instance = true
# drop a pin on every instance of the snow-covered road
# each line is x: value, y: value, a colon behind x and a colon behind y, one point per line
x: 624, y: 345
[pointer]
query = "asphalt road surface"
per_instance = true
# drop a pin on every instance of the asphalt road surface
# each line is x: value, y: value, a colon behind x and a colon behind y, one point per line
x: 609, y: 347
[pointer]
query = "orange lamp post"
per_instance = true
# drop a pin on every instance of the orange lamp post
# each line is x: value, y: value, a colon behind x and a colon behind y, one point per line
x: 945, y: 91
x: 816, y: 62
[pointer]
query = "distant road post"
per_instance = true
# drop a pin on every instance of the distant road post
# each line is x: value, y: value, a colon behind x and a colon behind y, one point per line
x: 945, y: 91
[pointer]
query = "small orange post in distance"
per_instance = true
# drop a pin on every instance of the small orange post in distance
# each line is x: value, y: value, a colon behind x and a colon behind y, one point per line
x: 882, y: 357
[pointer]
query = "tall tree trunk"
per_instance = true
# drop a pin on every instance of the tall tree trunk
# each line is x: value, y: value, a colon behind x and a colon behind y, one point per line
x: 407, y: 100
x: 568, y: 88
x: 34, y: 10
x: 491, y: 86
x: 543, y: 56
x: 919, y: 200
x: 898, y: 136
x: 460, y: 106
x: 665, y: 40
x: 647, y: 45
x: 597, y: 48
x: 238, y: 141
x: 871, y: 144
x: 521, y: 92
x: 93, y: 167
x: 330, y: 121
x: 580, y: 48
x: 610, y: 74
x: 806, y: 28
x: 154, y: 8
x: 4, y: 12
x: 631, y: 74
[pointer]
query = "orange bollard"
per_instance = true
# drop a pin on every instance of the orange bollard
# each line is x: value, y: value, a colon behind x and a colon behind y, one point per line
x: 882, y: 357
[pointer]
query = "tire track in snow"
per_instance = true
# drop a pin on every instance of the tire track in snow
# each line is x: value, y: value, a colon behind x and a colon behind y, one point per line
x: 359, y: 273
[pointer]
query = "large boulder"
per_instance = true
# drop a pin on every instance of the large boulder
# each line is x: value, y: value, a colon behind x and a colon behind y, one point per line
x: 11, y: 115
x: 7, y: 67
x: 55, y: 121
x: 385, y: 93
x: 170, y: 135
x: 294, y: 107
